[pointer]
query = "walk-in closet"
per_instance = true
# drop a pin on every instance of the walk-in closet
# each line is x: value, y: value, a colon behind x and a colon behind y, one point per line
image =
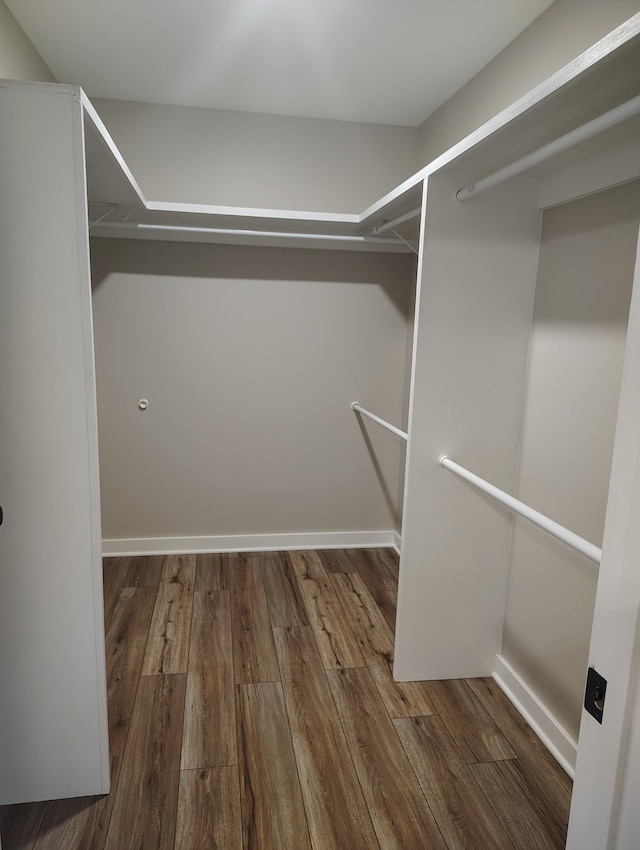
x: 315, y: 423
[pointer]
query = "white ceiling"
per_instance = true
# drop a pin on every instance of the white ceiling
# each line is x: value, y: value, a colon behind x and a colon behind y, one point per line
x: 382, y: 61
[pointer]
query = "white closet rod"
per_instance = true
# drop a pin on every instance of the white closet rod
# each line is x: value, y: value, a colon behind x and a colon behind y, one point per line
x: 359, y: 409
x: 395, y: 222
x: 223, y: 231
x: 580, y: 134
x: 569, y: 537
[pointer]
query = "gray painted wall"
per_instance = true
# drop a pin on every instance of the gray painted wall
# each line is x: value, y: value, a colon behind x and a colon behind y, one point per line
x: 210, y: 156
x: 564, y: 31
x: 249, y: 358
x: 19, y: 60
x: 583, y: 292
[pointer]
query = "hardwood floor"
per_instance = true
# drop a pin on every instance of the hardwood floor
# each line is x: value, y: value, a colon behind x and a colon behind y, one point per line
x: 252, y: 707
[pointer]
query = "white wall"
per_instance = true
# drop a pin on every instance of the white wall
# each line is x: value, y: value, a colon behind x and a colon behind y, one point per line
x: 210, y: 156
x: 575, y: 364
x: 561, y: 33
x: 250, y: 358
x: 19, y: 60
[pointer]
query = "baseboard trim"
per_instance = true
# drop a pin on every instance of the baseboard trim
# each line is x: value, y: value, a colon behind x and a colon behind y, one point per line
x: 248, y: 543
x: 552, y: 734
x: 397, y: 543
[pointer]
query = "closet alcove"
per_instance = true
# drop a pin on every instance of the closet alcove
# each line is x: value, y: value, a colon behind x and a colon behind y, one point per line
x: 502, y: 341
x: 249, y: 358
x: 524, y: 369
x: 523, y: 300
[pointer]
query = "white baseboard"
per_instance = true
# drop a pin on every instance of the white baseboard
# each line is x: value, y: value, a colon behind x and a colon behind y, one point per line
x: 397, y: 543
x: 552, y: 734
x: 249, y: 543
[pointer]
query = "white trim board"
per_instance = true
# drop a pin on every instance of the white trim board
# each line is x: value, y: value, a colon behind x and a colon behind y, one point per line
x: 603, y: 171
x: 552, y: 734
x: 397, y: 543
x: 249, y: 543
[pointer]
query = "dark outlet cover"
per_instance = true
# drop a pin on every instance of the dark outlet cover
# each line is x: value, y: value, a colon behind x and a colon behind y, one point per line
x: 595, y: 693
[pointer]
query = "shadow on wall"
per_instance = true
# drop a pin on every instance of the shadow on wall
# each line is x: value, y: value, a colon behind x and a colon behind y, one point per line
x: 610, y: 219
x: 393, y: 502
x: 232, y: 262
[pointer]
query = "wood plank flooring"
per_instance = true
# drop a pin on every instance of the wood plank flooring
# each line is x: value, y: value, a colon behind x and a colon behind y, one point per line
x: 252, y: 707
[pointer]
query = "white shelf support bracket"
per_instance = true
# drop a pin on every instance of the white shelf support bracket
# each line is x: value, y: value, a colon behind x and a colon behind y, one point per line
x: 405, y: 241
x: 110, y: 208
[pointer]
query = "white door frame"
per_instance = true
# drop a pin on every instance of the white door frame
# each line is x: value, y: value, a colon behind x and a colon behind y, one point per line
x: 615, y: 639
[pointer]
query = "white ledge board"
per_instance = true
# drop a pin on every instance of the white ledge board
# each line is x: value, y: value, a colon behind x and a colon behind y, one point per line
x: 572, y: 96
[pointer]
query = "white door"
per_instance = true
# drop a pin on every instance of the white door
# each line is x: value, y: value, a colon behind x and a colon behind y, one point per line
x: 604, y: 777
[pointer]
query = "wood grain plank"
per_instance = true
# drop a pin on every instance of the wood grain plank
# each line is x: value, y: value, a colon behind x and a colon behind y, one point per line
x: 336, y: 641
x: 114, y: 573
x: 168, y: 644
x: 551, y: 782
x: 362, y: 610
x: 145, y: 571
x: 79, y: 823
x: 392, y: 562
x: 126, y: 641
x: 336, y: 811
x: 307, y: 563
x: 211, y: 573
x: 271, y: 799
x: 209, y: 810
x: 399, y: 811
x: 144, y: 809
x: 521, y: 736
x: 254, y: 656
x: 523, y: 815
x: 462, y: 812
x: 286, y: 606
x: 474, y: 733
x: 374, y: 572
x: 209, y: 736
x: 372, y: 566
x: 337, y: 561
x: 402, y: 699
x: 389, y: 608
x: 20, y: 825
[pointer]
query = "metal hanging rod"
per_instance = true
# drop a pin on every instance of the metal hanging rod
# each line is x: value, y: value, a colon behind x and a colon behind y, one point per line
x: 395, y: 222
x: 554, y: 528
x: 223, y: 231
x: 359, y: 409
x: 580, y: 134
